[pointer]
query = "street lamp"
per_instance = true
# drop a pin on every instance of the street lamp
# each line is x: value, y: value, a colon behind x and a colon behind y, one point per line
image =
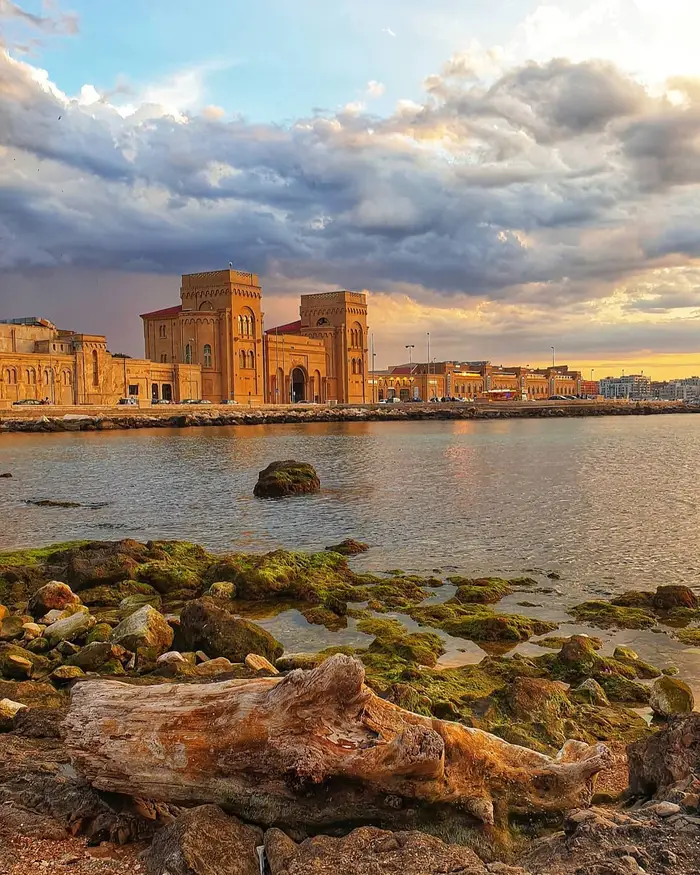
x: 410, y: 347
x: 553, y: 356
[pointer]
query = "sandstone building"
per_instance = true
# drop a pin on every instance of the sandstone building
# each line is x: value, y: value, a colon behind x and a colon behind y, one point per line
x: 218, y: 326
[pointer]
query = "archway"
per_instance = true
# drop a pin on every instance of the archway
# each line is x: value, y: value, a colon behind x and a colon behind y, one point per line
x: 298, y: 385
x: 154, y: 392
x: 318, y: 395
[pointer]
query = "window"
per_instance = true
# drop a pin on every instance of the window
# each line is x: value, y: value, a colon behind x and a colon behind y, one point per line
x: 66, y: 378
x: 54, y: 347
x: 133, y: 390
x: 251, y: 359
x: 207, y: 355
x: 241, y: 358
x: 354, y: 367
x: 188, y: 354
x: 164, y: 357
x: 162, y: 331
x: 323, y: 321
x: 95, y: 369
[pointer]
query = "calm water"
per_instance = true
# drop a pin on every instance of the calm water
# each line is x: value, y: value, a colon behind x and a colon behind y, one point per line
x: 609, y: 503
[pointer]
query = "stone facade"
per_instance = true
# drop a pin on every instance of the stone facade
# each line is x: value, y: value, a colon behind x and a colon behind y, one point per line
x: 40, y: 362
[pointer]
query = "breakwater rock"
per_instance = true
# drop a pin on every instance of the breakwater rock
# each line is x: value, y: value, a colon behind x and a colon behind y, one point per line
x: 107, y: 420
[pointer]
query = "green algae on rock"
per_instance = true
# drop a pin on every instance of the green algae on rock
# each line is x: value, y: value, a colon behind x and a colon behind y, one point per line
x: 206, y: 624
x: 478, y: 623
x: 606, y: 615
x: 670, y: 697
x: 392, y: 638
x: 688, y: 636
x: 480, y: 590
x: 349, y: 547
x: 281, y: 479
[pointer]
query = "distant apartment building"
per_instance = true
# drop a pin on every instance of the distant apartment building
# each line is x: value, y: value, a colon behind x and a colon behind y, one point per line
x: 590, y: 388
x: 633, y: 387
x: 685, y: 389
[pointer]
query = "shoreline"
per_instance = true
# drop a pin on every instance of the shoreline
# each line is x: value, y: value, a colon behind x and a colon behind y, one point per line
x: 38, y: 420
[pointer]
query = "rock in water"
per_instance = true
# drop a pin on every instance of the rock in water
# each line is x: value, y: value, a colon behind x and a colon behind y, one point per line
x: 205, y: 625
x: 349, y: 547
x: 205, y: 841
x: 369, y: 850
x: 53, y: 596
x: 280, y: 479
x: 144, y: 628
x: 671, y: 696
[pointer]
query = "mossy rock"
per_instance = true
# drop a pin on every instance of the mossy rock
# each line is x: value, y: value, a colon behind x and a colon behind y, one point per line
x: 394, y: 640
x: 621, y: 689
x: 33, y: 694
x: 349, y: 547
x: 312, y: 578
x: 556, y: 642
x: 483, y: 591
x: 607, y: 616
x: 398, y: 594
x: 281, y: 479
x: 670, y: 697
x: 101, y: 632
x: 132, y: 603
x: 478, y: 623
x: 320, y: 615
x: 667, y: 598
x: 11, y: 670
x: 206, y: 624
x: 642, y: 669
x: 688, y: 636
x: 634, y: 599
x: 98, y: 562
x: 111, y: 595
x: 167, y: 576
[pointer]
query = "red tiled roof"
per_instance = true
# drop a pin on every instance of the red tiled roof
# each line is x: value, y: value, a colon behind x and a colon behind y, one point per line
x: 168, y: 311
x: 289, y: 328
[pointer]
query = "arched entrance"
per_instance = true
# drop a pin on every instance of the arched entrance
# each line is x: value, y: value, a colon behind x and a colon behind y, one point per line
x: 154, y: 392
x: 298, y: 385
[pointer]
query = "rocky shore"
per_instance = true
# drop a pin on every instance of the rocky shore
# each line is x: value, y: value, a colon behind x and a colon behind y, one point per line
x: 107, y: 419
x: 355, y: 759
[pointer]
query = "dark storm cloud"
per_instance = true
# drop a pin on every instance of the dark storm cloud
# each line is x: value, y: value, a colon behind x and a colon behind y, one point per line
x: 534, y: 188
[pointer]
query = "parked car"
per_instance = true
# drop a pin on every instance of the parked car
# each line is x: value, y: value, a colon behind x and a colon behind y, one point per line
x: 228, y: 401
x: 27, y: 402
x: 132, y: 402
x: 558, y: 398
x: 161, y: 401
x: 195, y: 401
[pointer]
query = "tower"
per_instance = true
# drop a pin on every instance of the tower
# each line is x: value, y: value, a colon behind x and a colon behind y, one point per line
x: 339, y: 319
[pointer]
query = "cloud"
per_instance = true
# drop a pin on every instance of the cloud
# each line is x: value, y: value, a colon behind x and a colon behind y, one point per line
x: 60, y: 23
x: 557, y: 194
x: 388, y: 31
x: 375, y: 89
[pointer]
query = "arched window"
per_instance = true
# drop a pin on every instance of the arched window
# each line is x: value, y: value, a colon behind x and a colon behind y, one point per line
x: 207, y: 355
x: 162, y: 331
x: 359, y: 366
x: 95, y: 369
x: 241, y: 358
x: 66, y: 378
x: 188, y: 354
x: 164, y: 357
x: 240, y: 326
x: 251, y: 359
x: 354, y: 366
x: 48, y: 377
x: 323, y: 321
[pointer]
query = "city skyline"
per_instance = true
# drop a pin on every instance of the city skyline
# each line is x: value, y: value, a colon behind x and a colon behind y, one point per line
x: 508, y: 183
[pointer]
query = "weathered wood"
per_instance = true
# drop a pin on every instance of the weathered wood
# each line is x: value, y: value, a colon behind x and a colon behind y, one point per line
x: 310, y: 749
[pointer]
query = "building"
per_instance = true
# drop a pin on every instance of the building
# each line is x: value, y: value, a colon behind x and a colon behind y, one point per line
x: 218, y: 326
x: 590, y: 388
x: 42, y: 362
x: 472, y: 380
x: 323, y: 355
x: 686, y: 389
x: 633, y: 387
x: 210, y: 346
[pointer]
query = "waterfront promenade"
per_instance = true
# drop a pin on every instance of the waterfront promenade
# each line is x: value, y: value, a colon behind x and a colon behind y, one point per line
x: 55, y: 419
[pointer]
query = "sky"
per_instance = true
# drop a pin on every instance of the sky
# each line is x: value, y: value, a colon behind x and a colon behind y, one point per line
x: 506, y: 176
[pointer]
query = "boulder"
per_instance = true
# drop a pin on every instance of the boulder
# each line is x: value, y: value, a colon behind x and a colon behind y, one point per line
x: 222, y: 590
x: 93, y: 656
x: 367, y: 851
x: 11, y: 628
x: 146, y: 628
x: 172, y: 656
x: 349, y: 547
x: 66, y: 674
x: 39, y: 723
x: 53, y: 596
x: 280, y: 479
x: 8, y: 710
x: 17, y: 663
x: 132, y: 603
x: 671, y: 696
x: 206, y: 625
x: 70, y: 628
x: 666, y: 598
x: 666, y: 758
x: 32, y: 631
x: 99, y: 562
x: 205, y: 841
x: 591, y: 692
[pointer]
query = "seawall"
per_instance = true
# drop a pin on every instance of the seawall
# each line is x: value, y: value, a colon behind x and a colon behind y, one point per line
x: 109, y: 418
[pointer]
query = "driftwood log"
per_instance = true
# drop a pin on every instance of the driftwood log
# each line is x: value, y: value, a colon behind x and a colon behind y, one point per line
x: 313, y: 749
